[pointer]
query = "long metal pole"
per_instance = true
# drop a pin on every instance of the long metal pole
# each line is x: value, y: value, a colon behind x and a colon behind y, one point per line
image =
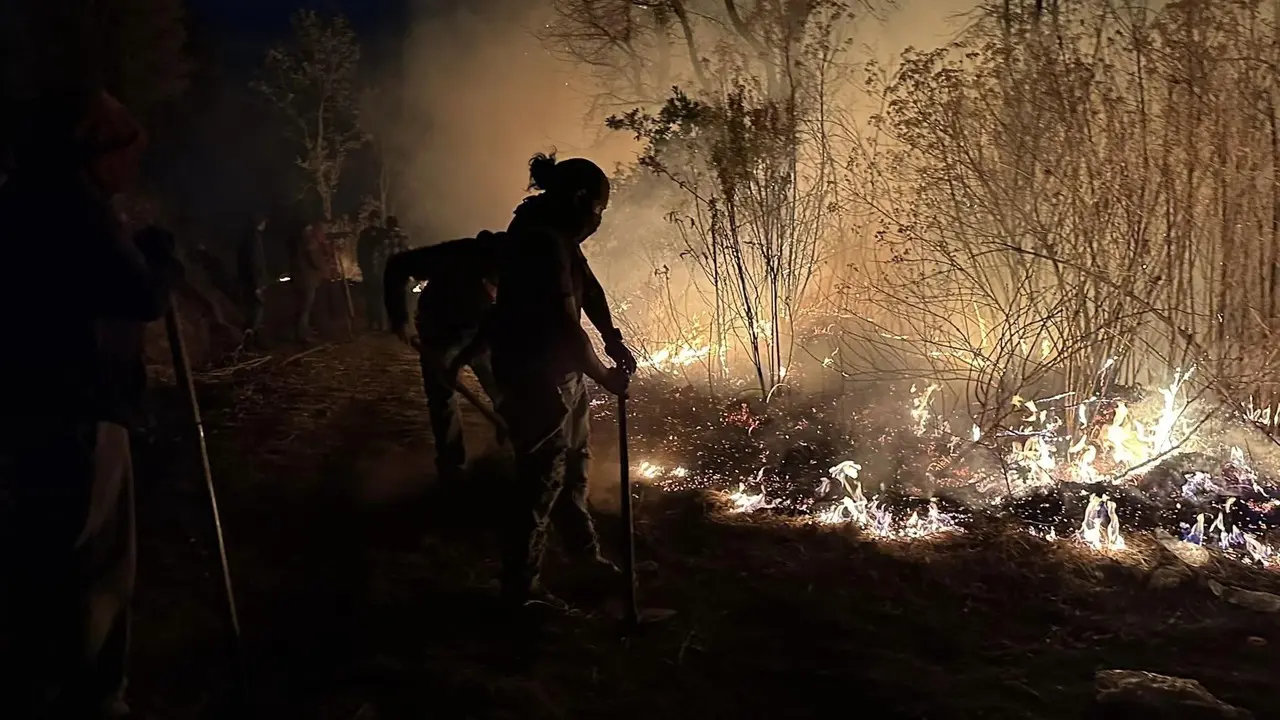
x: 182, y: 369
x: 632, y: 615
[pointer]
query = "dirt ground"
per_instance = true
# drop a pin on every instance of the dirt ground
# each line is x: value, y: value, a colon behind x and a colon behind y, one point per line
x: 362, y: 583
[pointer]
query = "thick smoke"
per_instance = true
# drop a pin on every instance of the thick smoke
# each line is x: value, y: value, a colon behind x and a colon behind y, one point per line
x: 481, y: 96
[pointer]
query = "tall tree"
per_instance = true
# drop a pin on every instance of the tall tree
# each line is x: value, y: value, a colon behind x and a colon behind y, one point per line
x: 311, y: 79
x: 380, y: 113
x: 639, y: 49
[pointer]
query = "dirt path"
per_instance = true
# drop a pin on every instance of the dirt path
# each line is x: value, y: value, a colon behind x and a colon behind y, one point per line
x: 359, y: 581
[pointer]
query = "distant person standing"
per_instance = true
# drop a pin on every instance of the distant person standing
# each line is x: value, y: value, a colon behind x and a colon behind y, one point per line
x: 460, y: 277
x: 397, y: 239
x: 309, y: 272
x: 397, y: 242
x: 371, y: 255
x: 252, y: 257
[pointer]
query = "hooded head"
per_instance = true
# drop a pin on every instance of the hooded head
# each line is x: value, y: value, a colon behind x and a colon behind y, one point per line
x: 114, y: 142
x: 85, y: 132
x: 577, y: 186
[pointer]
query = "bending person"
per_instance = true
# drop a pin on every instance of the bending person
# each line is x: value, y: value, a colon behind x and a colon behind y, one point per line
x: 460, y: 277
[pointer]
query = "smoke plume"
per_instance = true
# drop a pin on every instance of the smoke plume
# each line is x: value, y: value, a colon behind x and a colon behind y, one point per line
x: 481, y: 95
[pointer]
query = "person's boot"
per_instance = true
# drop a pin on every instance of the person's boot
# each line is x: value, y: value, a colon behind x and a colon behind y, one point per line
x: 536, y: 601
x: 542, y: 599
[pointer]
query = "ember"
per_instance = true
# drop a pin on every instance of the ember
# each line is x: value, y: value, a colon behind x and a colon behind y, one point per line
x: 742, y: 417
x: 672, y: 358
x: 1124, y: 444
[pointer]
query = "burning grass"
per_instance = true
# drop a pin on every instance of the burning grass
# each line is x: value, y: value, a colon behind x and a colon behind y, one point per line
x: 1092, y: 472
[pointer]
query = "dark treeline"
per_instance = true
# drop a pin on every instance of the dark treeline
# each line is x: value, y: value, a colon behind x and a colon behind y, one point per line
x: 216, y: 155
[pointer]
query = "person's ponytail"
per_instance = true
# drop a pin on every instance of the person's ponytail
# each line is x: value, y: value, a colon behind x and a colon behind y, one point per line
x: 543, y: 172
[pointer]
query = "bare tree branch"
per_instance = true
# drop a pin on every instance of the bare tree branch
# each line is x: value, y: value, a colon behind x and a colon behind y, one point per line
x: 311, y: 81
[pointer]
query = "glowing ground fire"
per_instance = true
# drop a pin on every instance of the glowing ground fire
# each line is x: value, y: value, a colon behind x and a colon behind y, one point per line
x: 1112, y: 444
x: 673, y: 358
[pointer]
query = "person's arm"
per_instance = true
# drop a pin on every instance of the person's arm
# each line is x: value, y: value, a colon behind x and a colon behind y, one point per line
x: 479, y: 343
x: 134, y: 277
x: 567, y: 322
x: 596, y: 305
x: 395, y: 278
x: 591, y: 365
x: 419, y: 264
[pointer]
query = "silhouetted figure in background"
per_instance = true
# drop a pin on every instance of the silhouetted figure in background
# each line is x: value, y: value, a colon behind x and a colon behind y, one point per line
x: 372, y: 249
x: 540, y: 355
x: 252, y: 260
x: 397, y: 240
x: 73, y: 389
x: 460, y: 276
x: 309, y: 272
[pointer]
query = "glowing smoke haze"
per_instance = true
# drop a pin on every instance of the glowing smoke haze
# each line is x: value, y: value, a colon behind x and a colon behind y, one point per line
x: 482, y: 94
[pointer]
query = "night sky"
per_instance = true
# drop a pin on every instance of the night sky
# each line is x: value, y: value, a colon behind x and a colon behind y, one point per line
x: 272, y: 16
x: 244, y: 28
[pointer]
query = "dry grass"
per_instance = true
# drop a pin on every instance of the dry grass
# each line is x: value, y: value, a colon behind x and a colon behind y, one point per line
x: 360, y: 582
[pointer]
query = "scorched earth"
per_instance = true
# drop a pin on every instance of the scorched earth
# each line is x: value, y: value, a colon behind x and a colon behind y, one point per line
x: 365, y: 587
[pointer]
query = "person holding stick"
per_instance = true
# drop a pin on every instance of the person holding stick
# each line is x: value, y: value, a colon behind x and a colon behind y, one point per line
x: 540, y: 356
x: 251, y: 259
x: 67, y: 543
x: 460, y: 277
x: 371, y: 251
x: 461, y: 284
x: 310, y: 270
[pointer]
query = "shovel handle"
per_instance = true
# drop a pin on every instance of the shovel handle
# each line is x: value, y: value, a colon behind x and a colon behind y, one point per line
x: 628, y: 527
x: 489, y: 413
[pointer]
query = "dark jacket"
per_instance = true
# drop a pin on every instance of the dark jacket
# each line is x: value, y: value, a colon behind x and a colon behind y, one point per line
x: 544, y: 287
x: 75, y: 305
x: 310, y: 261
x: 397, y: 242
x: 369, y: 246
x: 458, y: 275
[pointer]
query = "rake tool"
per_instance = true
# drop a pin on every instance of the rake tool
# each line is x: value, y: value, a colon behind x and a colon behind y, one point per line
x: 633, y: 617
x: 489, y: 413
x: 182, y: 369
